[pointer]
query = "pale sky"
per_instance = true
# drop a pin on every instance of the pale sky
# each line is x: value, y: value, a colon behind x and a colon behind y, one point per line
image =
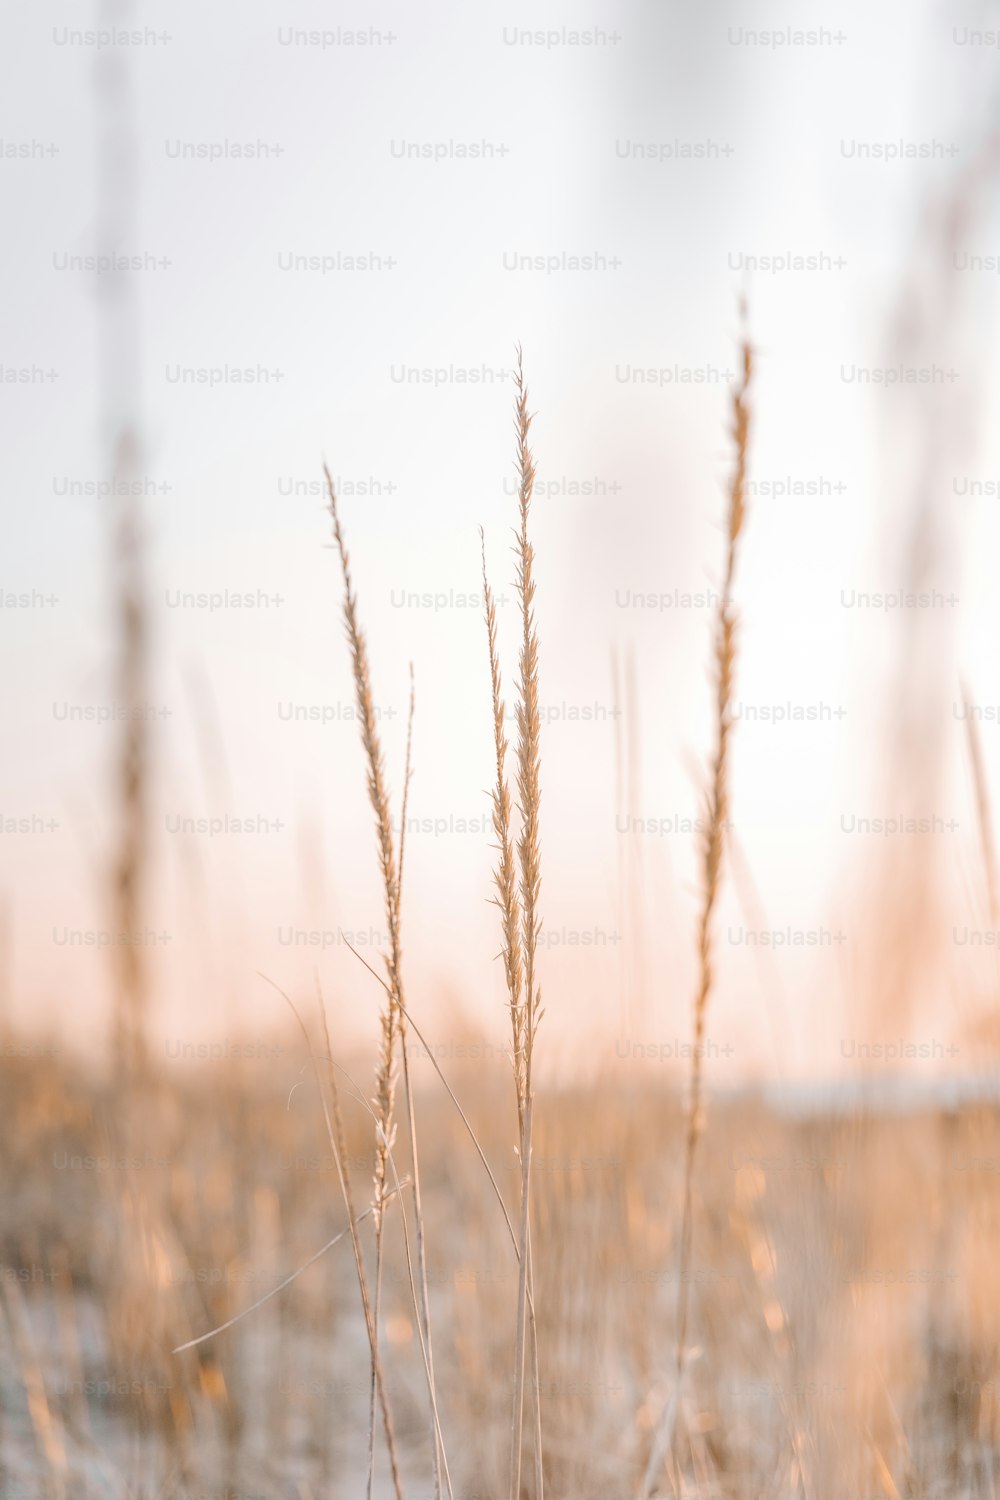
x: 751, y: 151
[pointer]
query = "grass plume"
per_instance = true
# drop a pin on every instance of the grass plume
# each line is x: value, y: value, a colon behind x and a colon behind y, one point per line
x: 505, y: 875
x: 393, y: 1024
x: 716, y: 822
x: 518, y: 885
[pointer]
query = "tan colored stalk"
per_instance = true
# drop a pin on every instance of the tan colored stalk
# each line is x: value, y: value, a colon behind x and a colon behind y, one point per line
x: 528, y: 733
x: 717, y: 819
x: 385, y: 1079
x: 393, y: 999
x: 718, y: 815
x: 505, y: 875
x: 131, y: 857
x: 335, y: 1134
x: 983, y: 813
x: 393, y: 1024
x: 526, y: 1011
x: 507, y: 900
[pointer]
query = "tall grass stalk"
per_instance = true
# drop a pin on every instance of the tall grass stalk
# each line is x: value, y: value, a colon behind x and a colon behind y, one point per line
x: 984, y: 815
x: 393, y: 998
x: 518, y: 884
x: 333, y: 1118
x: 507, y: 900
x: 716, y: 822
x: 529, y: 855
x: 131, y: 855
x: 393, y: 1022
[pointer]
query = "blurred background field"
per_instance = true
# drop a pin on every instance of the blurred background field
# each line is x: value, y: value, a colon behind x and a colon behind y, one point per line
x: 844, y: 1296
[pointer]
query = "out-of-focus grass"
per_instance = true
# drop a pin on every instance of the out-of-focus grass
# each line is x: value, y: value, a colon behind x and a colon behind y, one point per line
x: 844, y: 1292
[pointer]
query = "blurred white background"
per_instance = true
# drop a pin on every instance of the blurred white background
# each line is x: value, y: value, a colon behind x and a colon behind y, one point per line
x: 586, y: 156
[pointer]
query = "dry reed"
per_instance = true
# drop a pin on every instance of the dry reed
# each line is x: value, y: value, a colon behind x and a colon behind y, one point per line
x: 505, y: 876
x: 518, y: 884
x: 393, y: 1021
x: 335, y: 1131
x: 131, y: 856
x: 984, y: 814
x: 716, y: 822
x: 333, y: 1118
